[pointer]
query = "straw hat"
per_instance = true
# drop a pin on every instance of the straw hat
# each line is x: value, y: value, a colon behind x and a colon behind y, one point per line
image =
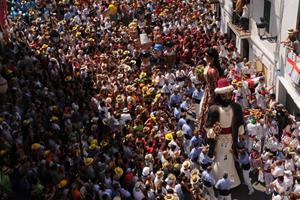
x: 146, y: 129
x: 171, y: 177
x: 46, y: 153
x: 176, y: 167
x: 160, y: 173
x: 125, y: 110
x: 171, y: 197
x: 92, y: 147
x: 53, y: 119
x: 94, y: 119
x: 45, y: 46
x: 195, y: 172
x: 119, y: 98
x: 130, y: 88
x: 62, y: 183
x: 108, y: 100
x: 165, y: 164
x: 119, y: 171
x: 186, y: 164
x: 35, y: 146
x: 179, y: 133
x: 94, y: 141
x: 132, y: 25
x: 195, y: 179
x: 3, y: 152
x: 169, y: 136
x: 149, y: 157
x: 88, y: 161
x: 290, y: 31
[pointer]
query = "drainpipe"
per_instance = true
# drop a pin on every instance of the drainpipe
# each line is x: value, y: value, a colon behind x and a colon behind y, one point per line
x: 276, y: 70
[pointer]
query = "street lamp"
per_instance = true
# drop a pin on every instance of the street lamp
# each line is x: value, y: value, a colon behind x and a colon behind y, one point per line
x: 261, y: 27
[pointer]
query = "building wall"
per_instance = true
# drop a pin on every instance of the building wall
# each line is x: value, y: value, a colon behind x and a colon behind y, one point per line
x: 273, y: 55
x: 289, y: 20
x: 226, y: 15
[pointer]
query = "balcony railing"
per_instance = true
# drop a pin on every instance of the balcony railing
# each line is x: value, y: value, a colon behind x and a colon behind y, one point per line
x: 239, y: 31
x: 239, y: 24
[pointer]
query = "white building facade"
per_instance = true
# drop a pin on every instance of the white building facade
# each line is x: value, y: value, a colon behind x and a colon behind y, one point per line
x: 281, y: 68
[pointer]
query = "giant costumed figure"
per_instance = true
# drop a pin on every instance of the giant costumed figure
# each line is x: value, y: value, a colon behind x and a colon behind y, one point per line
x: 224, y: 124
x: 209, y: 76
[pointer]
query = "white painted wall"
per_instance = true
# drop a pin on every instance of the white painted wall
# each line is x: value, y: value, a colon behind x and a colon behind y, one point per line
x: 284, y: 15
x: 226, y: 15
x: 289, y: 20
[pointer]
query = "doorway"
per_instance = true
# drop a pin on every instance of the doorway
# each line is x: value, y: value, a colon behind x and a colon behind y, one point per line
x: 245, y: 49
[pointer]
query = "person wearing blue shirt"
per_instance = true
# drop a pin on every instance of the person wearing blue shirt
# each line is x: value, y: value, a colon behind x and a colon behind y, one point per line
x: 194, y: 155
x: 68, y: 16
x: 184, y: 106
x: 198, y: 94
x: 204, y: 159
x: 241, y: 145
x: 177, y: 112
x: 187, y: 130
x: 181, y: 121
x: 280, y: 155
x: 223, y: 186
x: 190, y: 88
x: 175, y: 97
x: 196, y: 141
x: 208, y: 183
x: 244, y: 160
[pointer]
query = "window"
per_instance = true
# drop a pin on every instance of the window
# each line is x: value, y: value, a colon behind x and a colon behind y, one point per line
x: 231, y: 34
x: 267, y: 14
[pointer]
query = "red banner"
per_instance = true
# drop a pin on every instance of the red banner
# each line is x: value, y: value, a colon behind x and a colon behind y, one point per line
x: 293, y: 67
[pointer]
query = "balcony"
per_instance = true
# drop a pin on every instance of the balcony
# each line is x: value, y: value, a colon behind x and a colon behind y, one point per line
x: 240, y: 25
x: 235, y: 26
x: 239, y: 31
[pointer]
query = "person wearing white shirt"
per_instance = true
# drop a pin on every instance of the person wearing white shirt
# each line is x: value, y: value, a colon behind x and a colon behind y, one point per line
x: 279, y: 187
x: 159, y: 178
x: 137, y: 191
x: 289, y: 163
x: 278, y: 170
x: 170, y: 77
x: 245, y: 18
x: 268, y: 177
x: 167, y: 88
x: 288, y: 180
x: 251, y: 130
x: 125, y: 116
x: 296, y: 190
x: 160, y: 79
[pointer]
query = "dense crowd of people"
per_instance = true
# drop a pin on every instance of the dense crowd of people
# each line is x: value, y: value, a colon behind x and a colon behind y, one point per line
x: 102, y: 100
